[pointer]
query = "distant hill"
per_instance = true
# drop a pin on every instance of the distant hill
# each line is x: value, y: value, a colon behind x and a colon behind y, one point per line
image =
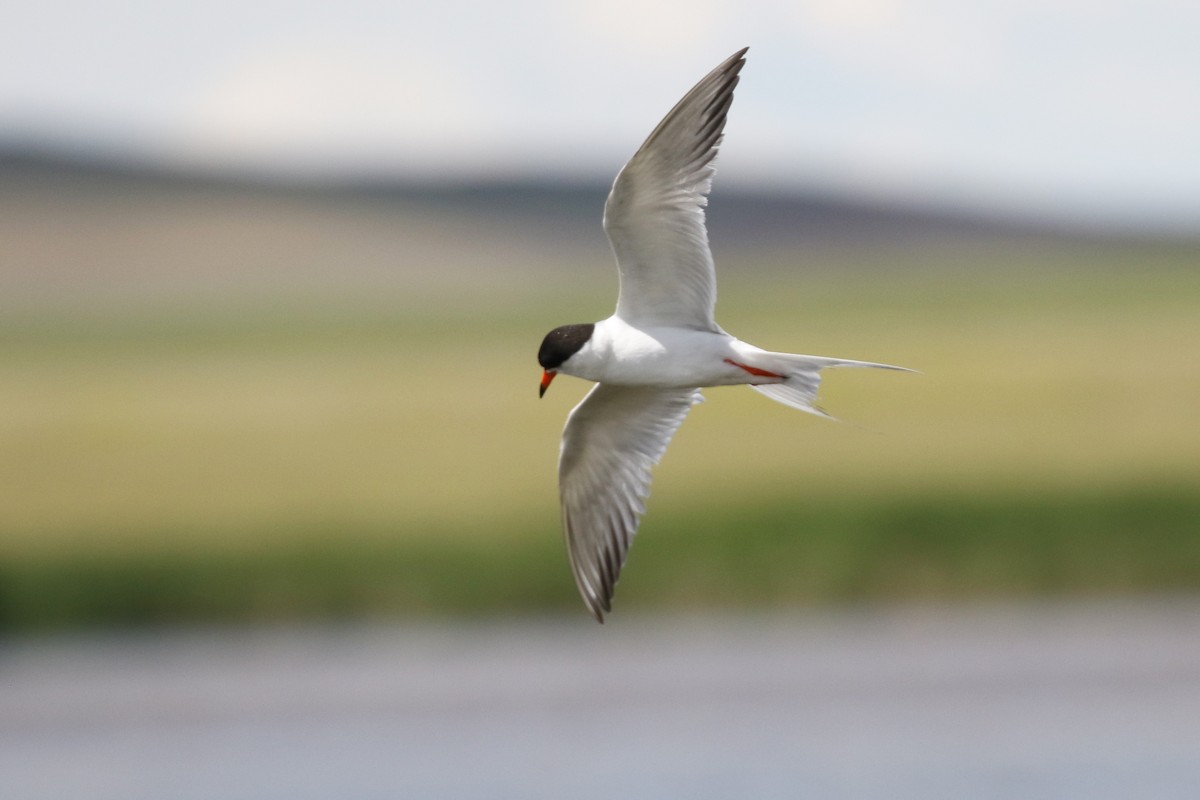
x: 83, y: 226
x: 739, y: 218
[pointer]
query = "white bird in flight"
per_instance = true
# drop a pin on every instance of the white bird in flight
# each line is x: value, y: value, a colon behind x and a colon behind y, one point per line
x: 650, y: 359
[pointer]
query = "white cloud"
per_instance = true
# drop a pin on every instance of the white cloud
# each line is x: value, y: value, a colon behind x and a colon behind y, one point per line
x: 313, y: 102
x: 940, y: 44
x: 659, y: 28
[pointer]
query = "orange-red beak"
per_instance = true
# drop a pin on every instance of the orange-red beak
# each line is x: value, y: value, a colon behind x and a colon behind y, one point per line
x: 547, y: 376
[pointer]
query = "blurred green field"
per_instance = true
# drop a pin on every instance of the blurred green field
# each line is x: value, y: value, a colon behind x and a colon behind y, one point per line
x: 390, y: 456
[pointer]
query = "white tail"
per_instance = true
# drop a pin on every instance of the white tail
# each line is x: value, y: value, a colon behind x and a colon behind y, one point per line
x: 803, y: 373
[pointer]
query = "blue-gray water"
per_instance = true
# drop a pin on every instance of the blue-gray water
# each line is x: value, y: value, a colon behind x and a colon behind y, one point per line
x: 1095, y: 702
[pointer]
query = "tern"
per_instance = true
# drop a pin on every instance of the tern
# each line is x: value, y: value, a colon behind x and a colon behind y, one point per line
x: 650, y: 359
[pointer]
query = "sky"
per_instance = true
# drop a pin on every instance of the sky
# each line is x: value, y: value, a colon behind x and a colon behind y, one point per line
x: 1078, y: 108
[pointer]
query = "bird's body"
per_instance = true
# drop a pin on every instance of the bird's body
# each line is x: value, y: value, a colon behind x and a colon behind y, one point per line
x: 627, y: 355
x: 650, y: 359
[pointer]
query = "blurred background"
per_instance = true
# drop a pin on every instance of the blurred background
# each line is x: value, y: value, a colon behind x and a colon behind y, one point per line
x: 272, y: 280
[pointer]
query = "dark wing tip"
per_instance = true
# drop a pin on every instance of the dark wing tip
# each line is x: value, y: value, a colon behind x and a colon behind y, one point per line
x: 718, y: 86
x: 733, y: 65
x: 598, y: 601
x: 597, y: 612
x: 596, y: 588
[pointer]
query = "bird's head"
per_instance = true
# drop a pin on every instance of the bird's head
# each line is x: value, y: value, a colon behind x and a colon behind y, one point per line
x: 559, y: 346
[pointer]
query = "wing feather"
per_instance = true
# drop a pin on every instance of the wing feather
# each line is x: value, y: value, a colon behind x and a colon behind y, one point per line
x: 654, y: 216
x: 612, y: 440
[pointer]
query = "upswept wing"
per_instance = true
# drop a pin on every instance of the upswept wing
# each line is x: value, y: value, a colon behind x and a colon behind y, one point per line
x: 654, y: 216
x: 611, y: 441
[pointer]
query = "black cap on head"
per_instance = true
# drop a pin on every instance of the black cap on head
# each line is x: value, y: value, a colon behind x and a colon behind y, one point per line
x: 562, y: 343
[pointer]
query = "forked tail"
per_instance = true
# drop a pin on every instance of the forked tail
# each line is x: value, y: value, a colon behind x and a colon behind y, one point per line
x: 799, y: 389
